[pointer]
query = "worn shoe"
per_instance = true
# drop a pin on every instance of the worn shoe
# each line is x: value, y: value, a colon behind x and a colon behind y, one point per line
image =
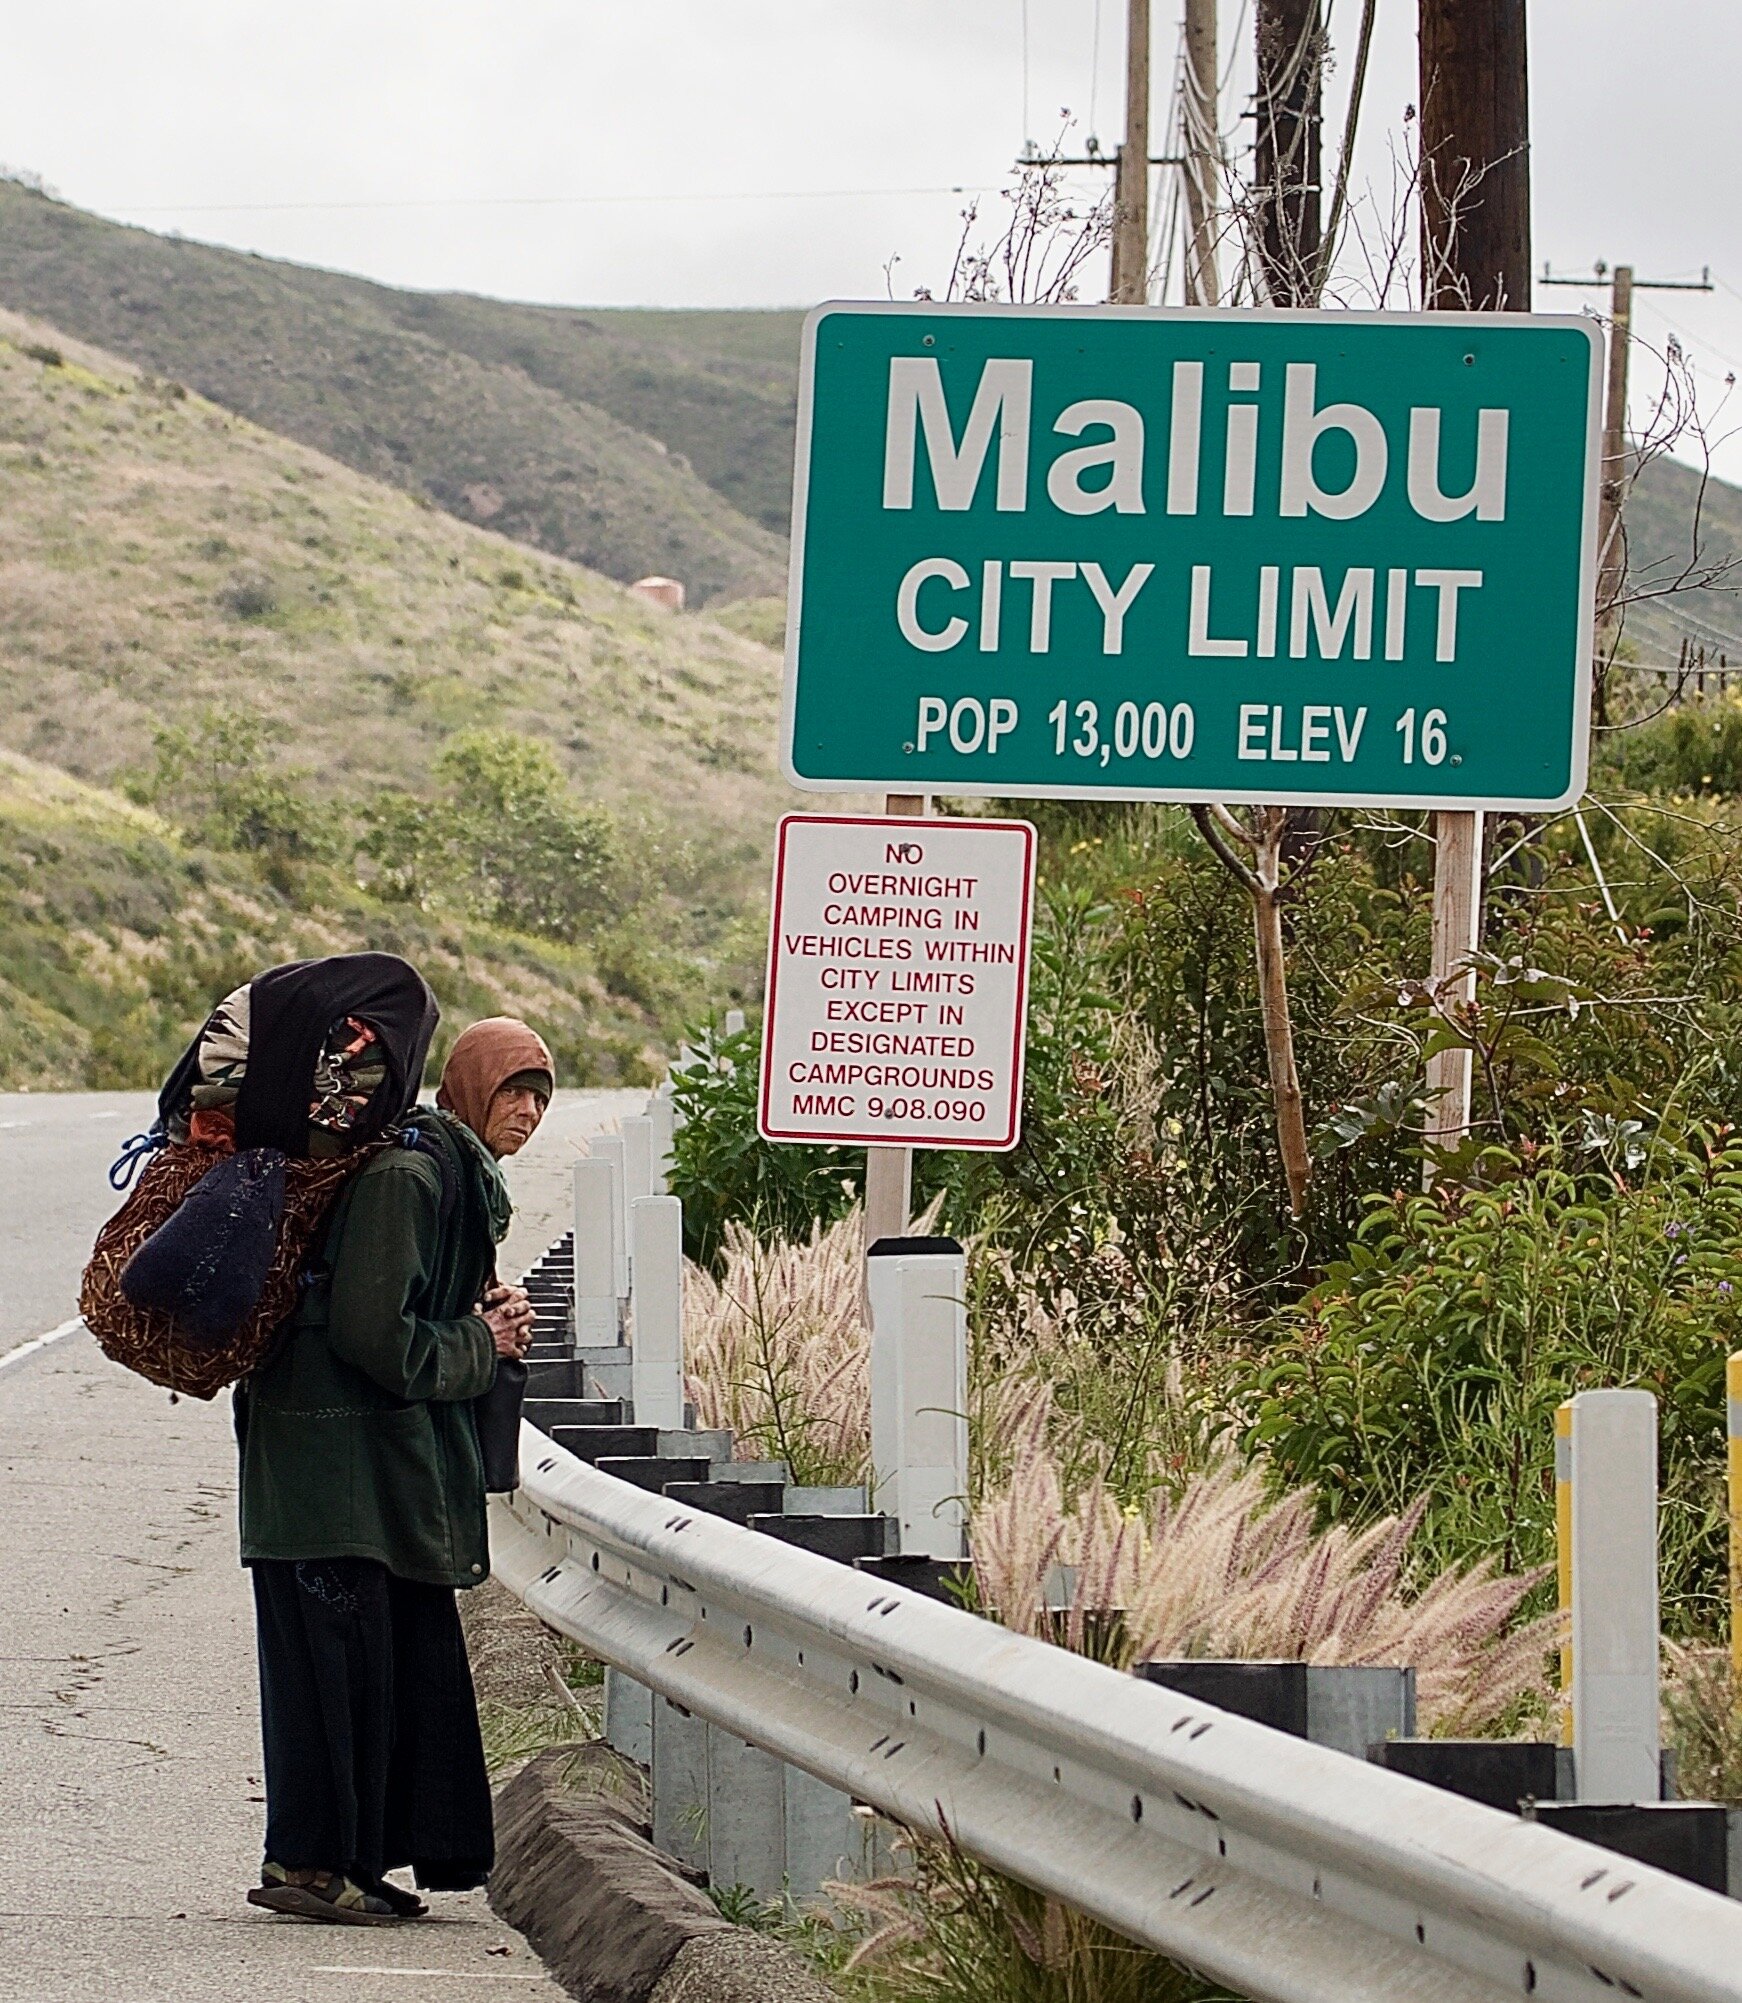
x: 322, y: 1895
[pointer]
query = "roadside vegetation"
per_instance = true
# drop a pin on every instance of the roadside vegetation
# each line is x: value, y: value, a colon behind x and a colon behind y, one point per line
x: 1202, y: 1426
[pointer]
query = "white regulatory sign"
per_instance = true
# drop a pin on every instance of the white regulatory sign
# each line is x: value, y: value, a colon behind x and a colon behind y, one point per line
x: 897, y: 982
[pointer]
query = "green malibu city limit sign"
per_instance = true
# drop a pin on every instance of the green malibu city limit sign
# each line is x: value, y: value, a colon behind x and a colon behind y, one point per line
x: 1132, y: 553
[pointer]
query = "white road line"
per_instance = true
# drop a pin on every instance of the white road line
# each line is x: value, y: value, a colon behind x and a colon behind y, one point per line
x: 30, y: 1348
x: 443, y: 1974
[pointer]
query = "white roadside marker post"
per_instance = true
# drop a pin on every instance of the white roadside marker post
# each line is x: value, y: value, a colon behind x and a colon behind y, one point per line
x: 1615, y: 1597
x: 598, y: 1322
x: 662, y: 1112
x: 609, y: 1147
x: 917, y: 1289
x: 637, y: 1132
x: 656, y: 1367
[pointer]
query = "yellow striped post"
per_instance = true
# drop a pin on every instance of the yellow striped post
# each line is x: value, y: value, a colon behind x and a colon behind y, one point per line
x: 1563, y: 1539
x: 1733, y: 1412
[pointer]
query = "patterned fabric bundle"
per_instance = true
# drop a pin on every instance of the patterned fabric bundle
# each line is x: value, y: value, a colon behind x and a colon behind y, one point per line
x: 299, y: 1074
x: 152, y: 1342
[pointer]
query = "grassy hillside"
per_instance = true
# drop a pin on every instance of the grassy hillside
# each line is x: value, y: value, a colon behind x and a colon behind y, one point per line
x: 1678, y: 525
x: 165, y: 561
x: 116, y: 935
x: 717, y: 388
x: 344, y: 366
x: 162, y: 554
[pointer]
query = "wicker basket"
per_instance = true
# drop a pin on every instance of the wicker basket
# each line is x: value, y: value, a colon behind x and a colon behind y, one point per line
x: 152, y: 1342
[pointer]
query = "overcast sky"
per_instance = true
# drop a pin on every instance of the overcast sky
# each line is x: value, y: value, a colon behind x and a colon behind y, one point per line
x: 777, y: 152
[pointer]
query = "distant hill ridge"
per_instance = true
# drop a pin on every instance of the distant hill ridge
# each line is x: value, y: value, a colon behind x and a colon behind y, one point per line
x: 484, y: 410
x: 631, y: 441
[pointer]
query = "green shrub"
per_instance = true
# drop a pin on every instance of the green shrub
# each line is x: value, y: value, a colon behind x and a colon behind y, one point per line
x: 510, y: 842
x: 539, y: 859
x: 221, y: 780
x: 725, y: 1171
x: 1429, y: 1361
x: 1695, y: 749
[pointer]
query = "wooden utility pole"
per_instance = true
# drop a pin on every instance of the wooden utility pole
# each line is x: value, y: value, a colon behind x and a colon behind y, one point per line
x: 1285, y: 185
x: 1612, y: 491
x: 1611, y: 548
x: 1130, y: 285
x: 1475, y: 211
x: 889, y: 1171
x: 1201, y: 126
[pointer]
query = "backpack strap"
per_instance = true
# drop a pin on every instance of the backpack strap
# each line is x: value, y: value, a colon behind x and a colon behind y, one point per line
x: 415, y: 1140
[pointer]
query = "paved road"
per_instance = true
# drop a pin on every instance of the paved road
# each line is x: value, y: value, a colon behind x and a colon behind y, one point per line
x: 129, y: 1764
x: 55, y: 1151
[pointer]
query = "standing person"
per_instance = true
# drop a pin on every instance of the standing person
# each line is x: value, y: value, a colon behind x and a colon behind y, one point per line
x: 363, y: 1508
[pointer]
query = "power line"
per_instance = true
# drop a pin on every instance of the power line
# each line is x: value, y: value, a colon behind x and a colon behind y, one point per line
x: 543, y: 201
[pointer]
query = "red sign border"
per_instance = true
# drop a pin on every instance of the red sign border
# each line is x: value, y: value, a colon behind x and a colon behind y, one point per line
x: 928, y: 823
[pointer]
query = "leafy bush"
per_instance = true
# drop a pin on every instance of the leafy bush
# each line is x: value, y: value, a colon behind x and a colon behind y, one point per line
x: 727, y: 1173
x: 510, y: 842
x: 1691, y: 750
x: 1430, y: 1360
x: 540, y: 858
x: 220, y: 778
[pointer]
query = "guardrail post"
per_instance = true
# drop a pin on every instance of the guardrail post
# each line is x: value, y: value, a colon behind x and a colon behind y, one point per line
x: 629, y: 1717
x: 609, y: 1147
x: 597, y: 1199
x: 656, y: 1310
x: 1616, y: 1752
x: 662, y: 1111
x: 917, y: 1290
x: 679, y: 1772
x: 746, y: 1815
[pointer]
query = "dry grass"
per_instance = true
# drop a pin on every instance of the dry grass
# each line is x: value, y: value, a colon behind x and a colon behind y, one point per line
x: 1211, y: 1565
x: 775, y: 1349
x: 162, y: 555
x: 1703, y: 1712
x: 1223, y: 1569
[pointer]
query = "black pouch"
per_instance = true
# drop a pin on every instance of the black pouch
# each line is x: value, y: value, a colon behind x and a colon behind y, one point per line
x: 207, y: 1262
x: 497, y: 1416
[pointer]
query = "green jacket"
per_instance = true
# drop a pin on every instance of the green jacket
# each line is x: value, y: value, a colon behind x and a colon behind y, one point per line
x: 357, y: 1436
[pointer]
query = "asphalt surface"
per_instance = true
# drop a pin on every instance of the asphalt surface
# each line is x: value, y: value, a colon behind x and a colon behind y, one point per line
x: 55, y: 1151
x: 130, y: 1800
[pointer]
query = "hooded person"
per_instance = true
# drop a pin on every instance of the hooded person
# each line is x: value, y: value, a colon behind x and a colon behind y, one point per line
x: 362, y: 1491
x: 497, y: 1082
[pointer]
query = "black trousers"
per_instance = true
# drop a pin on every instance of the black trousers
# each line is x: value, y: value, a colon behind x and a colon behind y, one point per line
x: 373, y: 1755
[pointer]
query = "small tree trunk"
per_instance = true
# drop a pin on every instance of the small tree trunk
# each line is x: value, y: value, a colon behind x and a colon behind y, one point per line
x: 1291, y: 1135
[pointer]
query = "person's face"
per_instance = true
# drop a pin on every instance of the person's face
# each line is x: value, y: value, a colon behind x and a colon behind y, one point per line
x: 512, y: 1120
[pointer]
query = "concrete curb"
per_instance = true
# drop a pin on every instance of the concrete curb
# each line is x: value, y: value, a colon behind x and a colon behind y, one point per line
x: 614, y: 1919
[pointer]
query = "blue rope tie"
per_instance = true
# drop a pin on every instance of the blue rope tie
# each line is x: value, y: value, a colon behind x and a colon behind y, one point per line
x: 133, y: 1155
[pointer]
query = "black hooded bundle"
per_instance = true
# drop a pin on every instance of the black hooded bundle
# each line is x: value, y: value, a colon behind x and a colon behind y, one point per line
x: 190, y: 1281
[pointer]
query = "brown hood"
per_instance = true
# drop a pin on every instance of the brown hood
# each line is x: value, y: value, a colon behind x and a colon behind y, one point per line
x: 483, y: 1060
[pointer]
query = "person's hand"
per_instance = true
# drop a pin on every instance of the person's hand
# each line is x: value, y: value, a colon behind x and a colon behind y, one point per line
x: 508, y: 1315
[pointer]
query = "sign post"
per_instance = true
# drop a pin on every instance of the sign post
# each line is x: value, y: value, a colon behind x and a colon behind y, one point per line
x: 1319, y: 558
x: 889, y: 1171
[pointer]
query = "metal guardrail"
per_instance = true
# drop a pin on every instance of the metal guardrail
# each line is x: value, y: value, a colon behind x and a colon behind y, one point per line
x: 1293, y: 1873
